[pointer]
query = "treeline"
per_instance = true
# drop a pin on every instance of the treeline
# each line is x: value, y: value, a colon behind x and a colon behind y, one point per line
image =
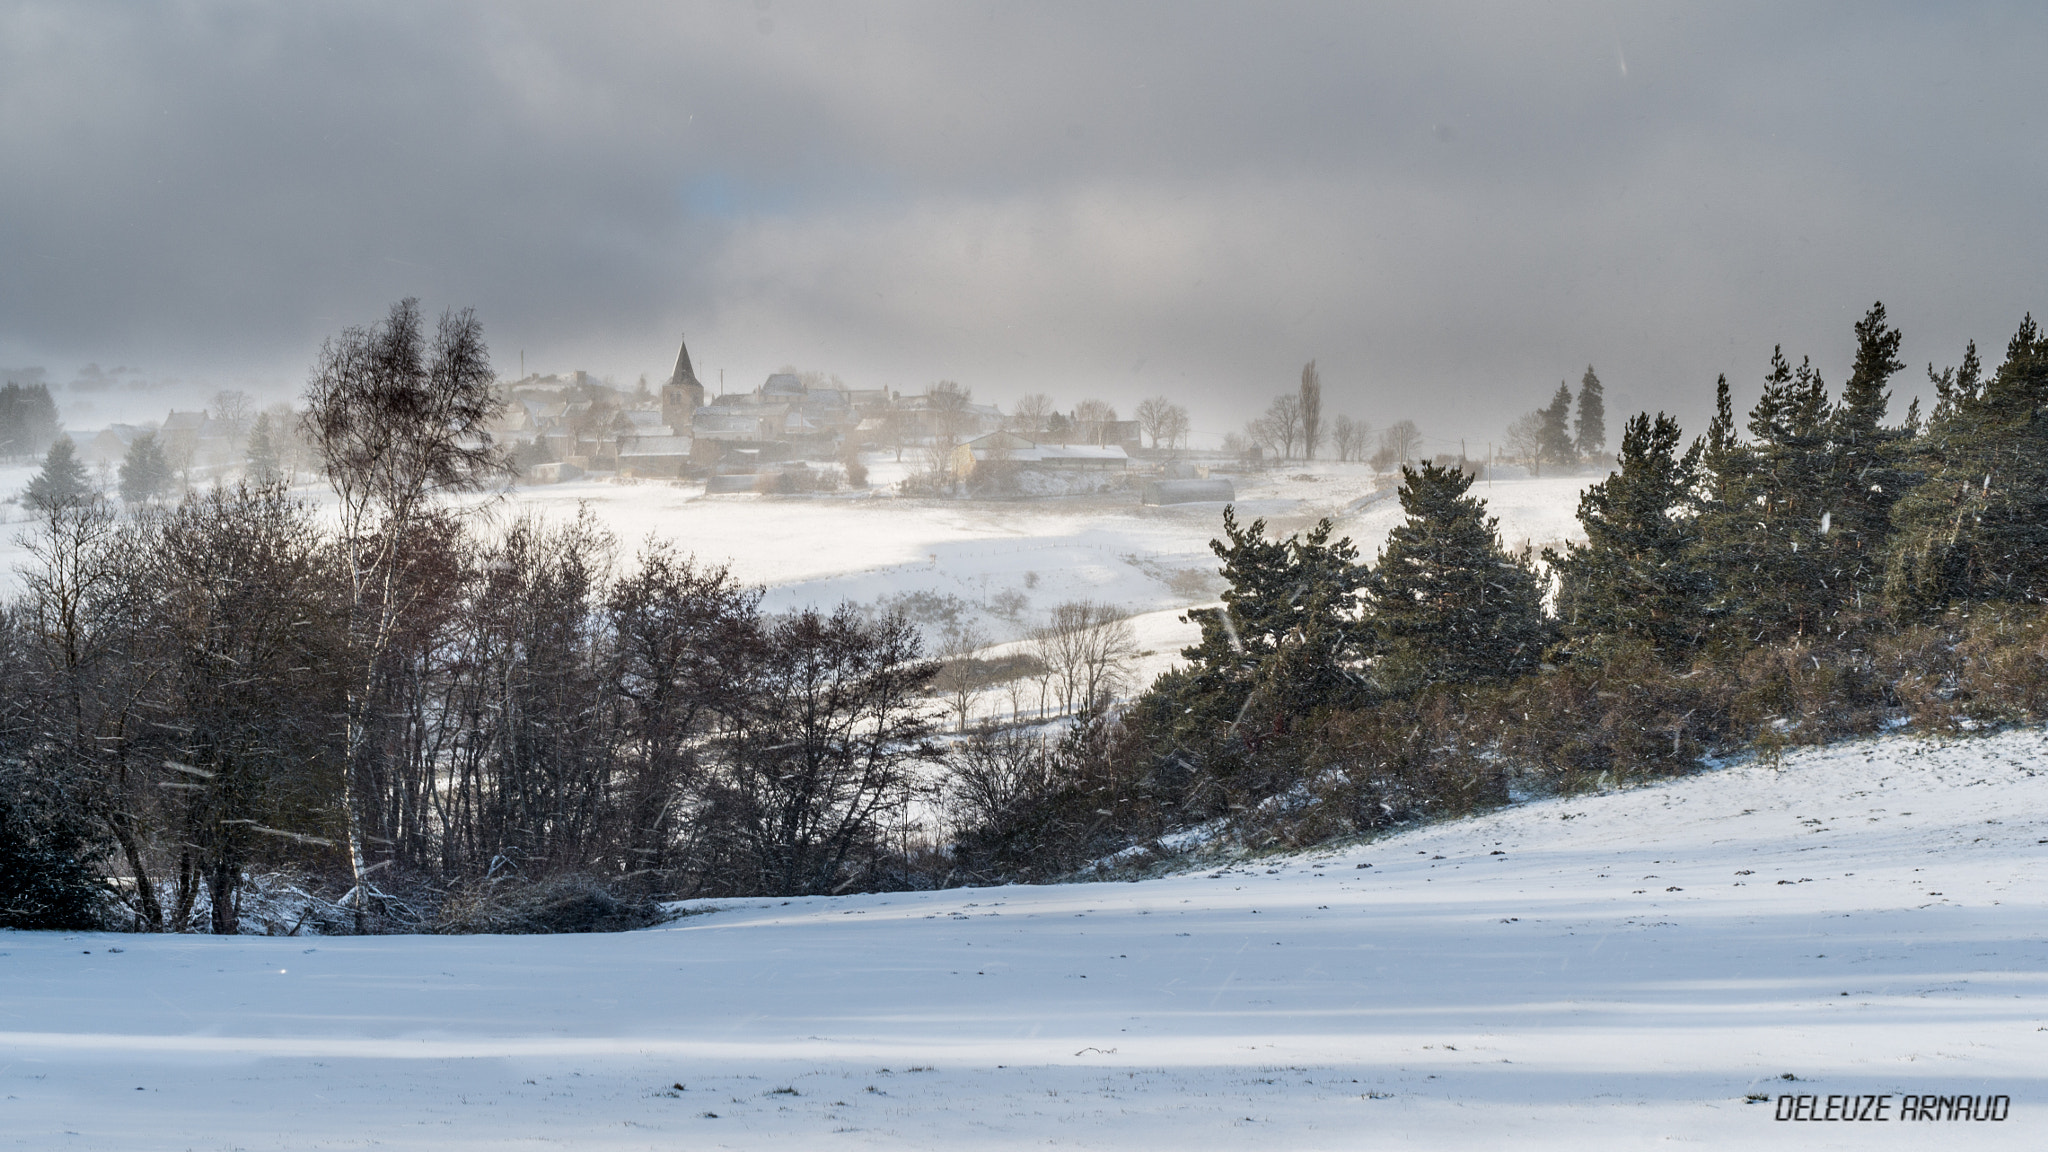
x: 1294, y: 427
x: 1815, y: 572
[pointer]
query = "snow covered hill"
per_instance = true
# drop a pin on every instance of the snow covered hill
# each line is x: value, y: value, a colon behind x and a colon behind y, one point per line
x: 1606, y: 971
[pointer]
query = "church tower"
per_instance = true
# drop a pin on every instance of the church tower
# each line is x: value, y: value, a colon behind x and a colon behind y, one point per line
x: 682, y: 395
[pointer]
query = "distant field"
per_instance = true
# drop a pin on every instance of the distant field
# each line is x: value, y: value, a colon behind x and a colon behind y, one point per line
x: 1152, y: 562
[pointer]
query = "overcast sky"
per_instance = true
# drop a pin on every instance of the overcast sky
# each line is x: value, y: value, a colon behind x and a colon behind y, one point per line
x: 1450, y: 207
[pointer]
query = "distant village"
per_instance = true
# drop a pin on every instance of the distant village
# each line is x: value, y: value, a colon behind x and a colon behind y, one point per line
x: 795, y: 432
x: 799, y: 431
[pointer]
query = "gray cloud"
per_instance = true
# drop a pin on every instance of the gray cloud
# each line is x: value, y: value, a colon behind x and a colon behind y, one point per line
x: 1451, y: 206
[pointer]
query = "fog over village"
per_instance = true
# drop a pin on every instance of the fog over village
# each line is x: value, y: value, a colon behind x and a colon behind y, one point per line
x: 763, y: 574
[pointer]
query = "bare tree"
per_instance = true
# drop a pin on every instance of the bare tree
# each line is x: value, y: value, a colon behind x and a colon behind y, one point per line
x: 1088, y: 648
x: 397, y: 424
x: 1031, y: 413
x: 823, y: 753
x: 1093, y: 418
x: 1526, y: 440
x: 1175, y: 427
x: 950, y: 422
x: 82, y: 594
x: 241, y: 579
x: 234, y: 412
x: 1350, y: 437
x: 1162, y: 420
x: 682, y: 636
x: 1398, y: 445
x: 990, y: 774
x: 961, y: 675
x: 1309, y: 410
x: 1280, y: 428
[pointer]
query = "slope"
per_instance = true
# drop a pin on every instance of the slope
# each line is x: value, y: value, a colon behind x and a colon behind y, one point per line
x: 1588, y: 972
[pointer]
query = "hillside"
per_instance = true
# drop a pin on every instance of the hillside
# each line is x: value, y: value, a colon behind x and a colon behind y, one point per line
x: 1594, y: 972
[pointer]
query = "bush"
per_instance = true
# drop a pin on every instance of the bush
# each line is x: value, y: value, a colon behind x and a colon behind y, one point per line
x: 48, y: 877
x: 556, y: 904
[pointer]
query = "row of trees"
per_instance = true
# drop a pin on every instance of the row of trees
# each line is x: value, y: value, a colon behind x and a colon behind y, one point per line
x: 1824, y: 521
x: 1815, y: 571
x: 1293, y: 427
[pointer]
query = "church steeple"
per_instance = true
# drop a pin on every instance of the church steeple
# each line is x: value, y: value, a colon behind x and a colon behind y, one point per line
x: 684, y: 374
x: 682, y: 395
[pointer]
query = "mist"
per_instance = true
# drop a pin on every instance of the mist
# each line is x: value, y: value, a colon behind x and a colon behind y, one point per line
x: 1450, y: 207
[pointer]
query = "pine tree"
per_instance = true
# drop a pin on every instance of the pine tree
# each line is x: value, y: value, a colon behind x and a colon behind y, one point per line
x: 145, y: 471
x: 1868, y: 476
x: 1590, y: 431
x: 1760, y: 531
x: 62, y: 482
x: 49, y: 877
x: 1286, y: 634
x: 1638, y: 576
x: 1556, y: 436
x: 28, y: 419
x: 1977, y: 529
x: 1446, y: 603
x: 262, y: 453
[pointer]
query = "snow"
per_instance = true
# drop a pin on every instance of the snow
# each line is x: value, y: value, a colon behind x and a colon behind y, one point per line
x: 1152, y: 562
x: 1868, y: 918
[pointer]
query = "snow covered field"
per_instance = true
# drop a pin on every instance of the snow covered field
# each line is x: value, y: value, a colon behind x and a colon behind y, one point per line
x: 1611, y: 971
x: 1152, y: 562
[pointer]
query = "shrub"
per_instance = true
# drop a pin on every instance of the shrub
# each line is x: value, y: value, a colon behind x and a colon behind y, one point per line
x: 556, y: 904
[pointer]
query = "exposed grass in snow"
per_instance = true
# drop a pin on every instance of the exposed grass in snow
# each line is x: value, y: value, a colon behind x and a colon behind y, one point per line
x: 1595, y: 971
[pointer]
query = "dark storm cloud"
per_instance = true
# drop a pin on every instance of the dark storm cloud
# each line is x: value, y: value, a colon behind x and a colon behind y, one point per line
x: 1451, y: 206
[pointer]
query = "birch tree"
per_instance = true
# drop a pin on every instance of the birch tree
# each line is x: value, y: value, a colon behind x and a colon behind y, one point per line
x: 398, y: 422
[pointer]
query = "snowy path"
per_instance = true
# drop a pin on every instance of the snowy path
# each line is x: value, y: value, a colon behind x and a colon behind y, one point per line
x: 1869, y: 919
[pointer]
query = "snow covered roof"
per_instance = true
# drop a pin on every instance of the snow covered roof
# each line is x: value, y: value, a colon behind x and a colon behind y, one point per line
x: 654, y: 446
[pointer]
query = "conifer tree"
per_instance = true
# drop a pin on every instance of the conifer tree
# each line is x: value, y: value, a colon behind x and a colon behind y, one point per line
x: 1556, y: 442
x: 1762, y: 531
x: 1446, y: 603
x: 1638, y: 576
x: 145, y: 471
x: 1867, y: 474
x: 62, y: 482
x: 262, y: 452
x: 1977, y: 529
x: 28, y: 419
x: 1590, y: 430
x: 1287, y: 631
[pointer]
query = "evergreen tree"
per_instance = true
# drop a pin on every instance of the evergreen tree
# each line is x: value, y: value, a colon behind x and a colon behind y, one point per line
x: 1446, y: 603
x: 1797, y: 521
x: 1977, y: 529
x: 1590, y: 431
x: 1638, y: 575
x: 262, y: 453
x: 145, y: 471
x: 28, y: 420
x: 1762, y: 532
x: 62, y: 482
x: 48, y: 878
x: 1867, y: 474
x: 1286, y: 634
x: 1555, y: 438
